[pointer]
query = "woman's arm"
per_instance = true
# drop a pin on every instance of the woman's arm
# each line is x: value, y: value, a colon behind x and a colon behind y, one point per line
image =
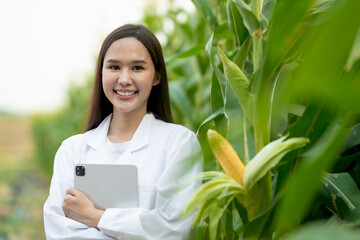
x: 57, y: 225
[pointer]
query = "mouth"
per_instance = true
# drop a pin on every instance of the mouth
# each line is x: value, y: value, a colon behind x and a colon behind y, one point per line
x: 125, y: 93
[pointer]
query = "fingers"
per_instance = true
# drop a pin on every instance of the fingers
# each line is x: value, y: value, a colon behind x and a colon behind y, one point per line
x: 72, y: 192
x: 68, y: 198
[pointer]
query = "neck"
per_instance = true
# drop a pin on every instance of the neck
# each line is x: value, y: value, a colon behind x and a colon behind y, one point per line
x: 123, y: 126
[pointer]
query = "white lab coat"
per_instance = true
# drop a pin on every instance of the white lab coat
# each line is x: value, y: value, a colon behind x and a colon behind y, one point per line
x: 167, y: 157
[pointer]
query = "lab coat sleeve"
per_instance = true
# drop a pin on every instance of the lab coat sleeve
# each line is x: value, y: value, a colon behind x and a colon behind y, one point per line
x: 56, y: 224
x: 174, y: 188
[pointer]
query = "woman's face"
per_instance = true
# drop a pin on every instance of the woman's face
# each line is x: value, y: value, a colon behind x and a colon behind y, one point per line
x: 128, y: 76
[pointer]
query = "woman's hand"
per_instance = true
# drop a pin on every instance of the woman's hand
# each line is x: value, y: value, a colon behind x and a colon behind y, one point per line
x: 78, y: 207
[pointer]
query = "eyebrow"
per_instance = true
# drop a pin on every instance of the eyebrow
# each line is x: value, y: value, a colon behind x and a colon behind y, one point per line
x: 117, y: 61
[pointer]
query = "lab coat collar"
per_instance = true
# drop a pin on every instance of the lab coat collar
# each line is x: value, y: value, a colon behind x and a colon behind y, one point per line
x: 97, y: 137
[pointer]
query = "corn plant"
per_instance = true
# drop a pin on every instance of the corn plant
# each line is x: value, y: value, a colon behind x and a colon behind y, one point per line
x: 284, y: 100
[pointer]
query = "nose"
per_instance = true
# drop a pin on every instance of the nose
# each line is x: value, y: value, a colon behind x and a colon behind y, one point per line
x: 124, y: 78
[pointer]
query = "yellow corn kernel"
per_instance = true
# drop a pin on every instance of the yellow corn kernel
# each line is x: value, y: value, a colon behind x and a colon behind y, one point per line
x: 226, y: 155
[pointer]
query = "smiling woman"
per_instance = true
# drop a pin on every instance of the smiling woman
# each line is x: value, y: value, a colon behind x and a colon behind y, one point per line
x: 130, y: 124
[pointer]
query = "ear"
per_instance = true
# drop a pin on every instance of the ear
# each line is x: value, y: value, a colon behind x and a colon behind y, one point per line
x: 157, y: 79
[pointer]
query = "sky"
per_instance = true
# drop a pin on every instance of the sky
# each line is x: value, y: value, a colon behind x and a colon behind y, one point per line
x: 46, y: 44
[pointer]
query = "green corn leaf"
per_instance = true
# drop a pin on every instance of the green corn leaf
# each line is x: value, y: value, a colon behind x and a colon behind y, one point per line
x: 341, y: 195
x: 268, y: 157
x: 320, y: 231
x: 238, y: 82
x: 353, y: 138
x: 242, y: 54
x: 343, y: 163
x: 235, y: 23
x: 313, y: 123
x: 326, y: 57
x: 305, y: 182
x: 217, y: 102
x: 223, y: 31
x: 259, y: 222
x: 279, y: 102
x: 268, y: 8
x: 281, y: 39
x: 282, y: 36
x: 196, y: 50
x: 355, y: 53
x: 250, y: 21
x: 217, y: 212
x: 239, y: 132
x: 203, y: 7
x: 215, y: 115
x: 180, y: 102
x: 210, y: 51
x: 206, y: 207
x: 212, y: 189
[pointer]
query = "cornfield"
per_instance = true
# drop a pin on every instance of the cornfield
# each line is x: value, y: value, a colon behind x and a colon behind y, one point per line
x: 284, y: 98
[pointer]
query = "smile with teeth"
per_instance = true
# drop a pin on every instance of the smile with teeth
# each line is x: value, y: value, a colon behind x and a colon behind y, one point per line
x: 122, y: 93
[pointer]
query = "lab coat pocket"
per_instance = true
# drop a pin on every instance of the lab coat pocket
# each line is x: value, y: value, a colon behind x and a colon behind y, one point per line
x: 147, y: 196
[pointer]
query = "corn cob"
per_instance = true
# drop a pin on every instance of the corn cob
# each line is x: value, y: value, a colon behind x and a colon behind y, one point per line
x: 226, y: 155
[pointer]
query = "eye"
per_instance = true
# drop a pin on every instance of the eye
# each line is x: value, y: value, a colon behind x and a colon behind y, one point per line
x: 138, y: 68
x: 114, y: 67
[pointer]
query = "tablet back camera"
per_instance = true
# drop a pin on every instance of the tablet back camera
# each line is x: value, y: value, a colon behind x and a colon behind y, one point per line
x: 80, y: 171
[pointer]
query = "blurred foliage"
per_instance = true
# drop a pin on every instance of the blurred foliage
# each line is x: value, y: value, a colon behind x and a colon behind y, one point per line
x: 21, y: 206
x: 50, y: 129
x: 283, y: 68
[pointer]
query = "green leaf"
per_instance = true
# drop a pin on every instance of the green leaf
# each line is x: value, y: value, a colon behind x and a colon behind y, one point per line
x: 268, y: 157
x: 201, y: 231
x: 238, y: 82
x: 313, y: 123
x: 355, y: 53
x: 320, y: 231
x: 250, y: 21
x: 281, y: 39
x: 305, y: 182
x: 239, y: 131
x: 210, y: 51
x: 180, y: 102
x: 353, y: 138
x: 196, y: 50
x: 217, y: 102
x: 203, y: 7
x: 255, y: 227
x: 227, y: 222
x: 217, y: 114
x: 268, y: 8
x: 242, y: 54
x: 325, y: 56
x: 219, y: 187
x: 341, y: 195
x: 223, y: 31
x: 216, y: 213
x: 343, y: 163
x: 235, y: 23
x: 280, y: 101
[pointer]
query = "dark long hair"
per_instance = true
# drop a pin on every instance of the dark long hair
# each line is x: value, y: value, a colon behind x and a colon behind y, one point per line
x: 158, y: 103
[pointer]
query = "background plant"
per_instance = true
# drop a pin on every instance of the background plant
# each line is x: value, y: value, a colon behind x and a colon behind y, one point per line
x: 284, y: 68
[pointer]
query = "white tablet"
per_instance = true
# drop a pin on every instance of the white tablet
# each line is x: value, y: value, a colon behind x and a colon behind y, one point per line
x: 108, y: 185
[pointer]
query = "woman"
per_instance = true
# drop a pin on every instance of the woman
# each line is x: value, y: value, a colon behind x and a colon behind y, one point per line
x: 129, y: 123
